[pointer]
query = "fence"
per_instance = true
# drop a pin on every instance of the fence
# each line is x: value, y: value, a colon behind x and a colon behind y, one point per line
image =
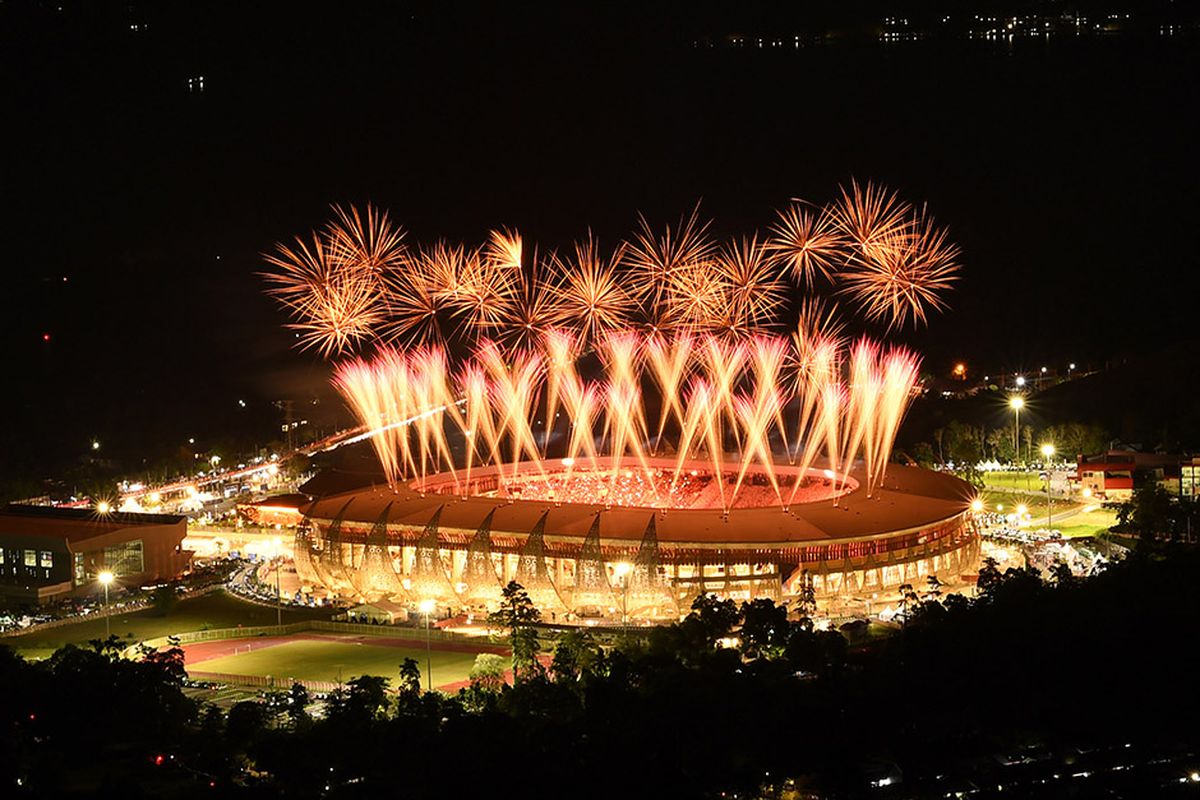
x: 261, y: 681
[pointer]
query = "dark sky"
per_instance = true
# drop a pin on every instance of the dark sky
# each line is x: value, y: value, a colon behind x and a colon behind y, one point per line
x: 1066, y: 170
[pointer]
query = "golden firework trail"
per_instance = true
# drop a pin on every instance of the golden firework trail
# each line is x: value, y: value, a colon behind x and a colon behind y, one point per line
x: 734, y: 391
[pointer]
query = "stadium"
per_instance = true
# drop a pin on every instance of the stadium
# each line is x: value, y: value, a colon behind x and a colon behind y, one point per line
x: 621, y: 430
x: 620, y: 557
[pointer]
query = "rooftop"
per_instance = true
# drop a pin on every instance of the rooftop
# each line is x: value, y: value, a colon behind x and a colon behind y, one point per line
x: 910, y: 498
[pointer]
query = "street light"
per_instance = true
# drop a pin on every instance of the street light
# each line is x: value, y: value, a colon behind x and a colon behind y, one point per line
x: 1047, y: 454
x: 1016, y: 403
x: 976, y: 505
x: 426, y: 607
x: 106, y: 578
x: 621, y: 570
x: 278, y: 590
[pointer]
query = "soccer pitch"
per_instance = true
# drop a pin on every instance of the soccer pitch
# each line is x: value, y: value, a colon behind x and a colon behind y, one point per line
x: 321, y: 659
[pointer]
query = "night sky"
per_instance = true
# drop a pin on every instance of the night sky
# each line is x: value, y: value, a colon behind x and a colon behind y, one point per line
x: 1066, y: 170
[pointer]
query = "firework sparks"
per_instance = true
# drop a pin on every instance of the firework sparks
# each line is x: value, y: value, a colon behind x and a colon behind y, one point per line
x: 753, y: 291
x: 807, y: 241
x: 593, y: 301
x: 708, y: 382
x: 410, y: 403
x: 905, y: 278
x: 356, y: 281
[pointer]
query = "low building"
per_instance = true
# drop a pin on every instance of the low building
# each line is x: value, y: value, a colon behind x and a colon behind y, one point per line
x: 47, y: 552
x: 1112, y: 475
x: 380, y: 612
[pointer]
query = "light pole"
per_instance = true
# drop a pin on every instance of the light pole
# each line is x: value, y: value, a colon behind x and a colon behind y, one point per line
x: 105, y: 578
x: 621, y: 570
x: 1016, y: 403
x: 278, y: 590
x: 426, y: 608
x: 1047, y: 454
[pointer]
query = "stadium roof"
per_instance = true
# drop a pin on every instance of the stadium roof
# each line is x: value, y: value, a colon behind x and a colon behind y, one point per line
x: 74, y: 524
x: 910, y: 498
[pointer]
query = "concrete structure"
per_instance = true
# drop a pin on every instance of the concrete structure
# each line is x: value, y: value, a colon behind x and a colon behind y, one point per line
x: 48, y: 552
x: 459, y: 545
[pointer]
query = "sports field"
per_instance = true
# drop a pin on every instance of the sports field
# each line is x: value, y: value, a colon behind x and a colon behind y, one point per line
x: 1026, y: 480
x: 333, y: 657
x: 215, y: 610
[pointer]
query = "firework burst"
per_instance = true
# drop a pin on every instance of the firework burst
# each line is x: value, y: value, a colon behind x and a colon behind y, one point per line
x: 593, y: 301
x: 807, y: 241
x: 356, y: 281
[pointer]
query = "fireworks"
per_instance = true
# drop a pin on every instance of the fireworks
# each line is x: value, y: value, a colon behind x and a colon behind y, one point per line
x: 626, y: 368
x: 356, y: 283
x: 731, y: 417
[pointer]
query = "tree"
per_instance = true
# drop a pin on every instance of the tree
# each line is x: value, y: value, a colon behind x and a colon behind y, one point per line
x: 1061, y: 576
x: 362, y: 699
x: 245, y: 723
x: 517, y: 615
x: 1151, y: 512
x: 297, y: 706
x: 989, y: 576
x: 764, y: 630
x: 806, y: 597
x: 577, y: 654
x: 714, y: 618
x: 487, y: 672
x: 410, y: 679
x: 164, y: 599
x: 935, y: 588
x: 908, y: 599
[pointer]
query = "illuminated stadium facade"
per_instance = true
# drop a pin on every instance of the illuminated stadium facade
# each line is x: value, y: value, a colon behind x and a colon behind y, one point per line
x: 459, y: 544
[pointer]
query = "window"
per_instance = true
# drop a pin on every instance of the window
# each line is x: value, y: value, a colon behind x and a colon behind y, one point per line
x: 46, y: 558
x: 80, y: 575
x: 31, y: 558
x: 125, y: 558
x: 1, y: 555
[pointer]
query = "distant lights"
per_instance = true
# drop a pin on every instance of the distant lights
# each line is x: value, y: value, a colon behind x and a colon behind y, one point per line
x: 45, y: 337
x: 95, y: 445
x: 1020, y: 380
x: 977, y: 505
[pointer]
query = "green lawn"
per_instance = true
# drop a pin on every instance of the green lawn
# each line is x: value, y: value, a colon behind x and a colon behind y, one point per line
x: 1013, y: 480
x: 217, y: 610
x: 330, y: 660
x: 1088, y: 523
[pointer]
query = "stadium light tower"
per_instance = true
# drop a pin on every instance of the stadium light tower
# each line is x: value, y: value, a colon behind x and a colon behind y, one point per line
x: 1016, y: 403
x: 426, y: 608
x: 106, y: 578
x: 1047, y: 454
